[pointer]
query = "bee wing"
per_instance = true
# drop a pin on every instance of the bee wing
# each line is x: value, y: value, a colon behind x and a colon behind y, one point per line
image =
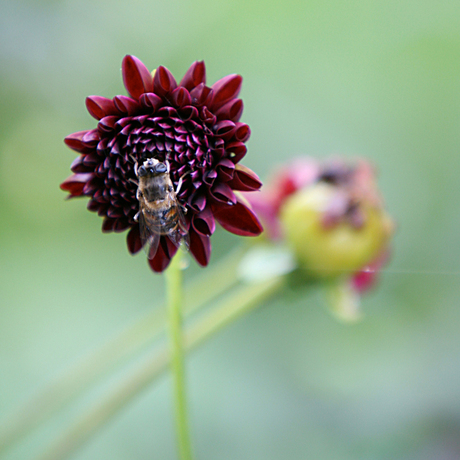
x: 150, y: 239
x: 181, y: 232
x: 183, y: 227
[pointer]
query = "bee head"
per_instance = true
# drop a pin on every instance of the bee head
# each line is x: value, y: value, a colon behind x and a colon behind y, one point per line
x: 160, y: 168
x: 152, y: 166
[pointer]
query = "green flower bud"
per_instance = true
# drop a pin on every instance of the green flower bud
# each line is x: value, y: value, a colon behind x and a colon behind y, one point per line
x: 332, y: 231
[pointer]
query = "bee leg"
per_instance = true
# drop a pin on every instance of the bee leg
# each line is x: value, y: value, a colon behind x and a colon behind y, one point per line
x: 167, y: 166
x: 135, y: 165
x: 179, y: 184
x: 133, y: 181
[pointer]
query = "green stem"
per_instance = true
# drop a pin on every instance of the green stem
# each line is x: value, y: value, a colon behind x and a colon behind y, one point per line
x: 241, y: 302
x: 174, y: 295
x: 73, y: 381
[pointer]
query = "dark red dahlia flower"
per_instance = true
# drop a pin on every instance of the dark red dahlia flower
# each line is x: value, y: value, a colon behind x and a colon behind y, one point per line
x: 194, y: 127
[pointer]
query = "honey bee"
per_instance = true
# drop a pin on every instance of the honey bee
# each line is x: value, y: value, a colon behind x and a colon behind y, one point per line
x: 160, y: 213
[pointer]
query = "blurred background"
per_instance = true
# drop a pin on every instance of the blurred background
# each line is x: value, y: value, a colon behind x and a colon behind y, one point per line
x: 378, y: 79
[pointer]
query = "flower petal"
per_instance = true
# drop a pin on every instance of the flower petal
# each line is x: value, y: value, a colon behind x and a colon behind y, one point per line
x: 238, y: 219
x: 225, y: 89
x: 237, y: 151
x: 136, y: 77
x: 151, y: 100
x: 232, y: 110
x: 126, y: 105
x: 180, y: 97
x: 195, y: 75
x: 75, y: 142
x: 223, y: 193
x: 165, y: 252
x: 242, y: 132
x: 204, y: 222
x: 245, y: 180
x: 201, y: 95
x: 75, y: 183
x: 100, y: 107
x: 200, y: 247
x: 133, y: 240
x: 225, y: 129
x: 163, y: 82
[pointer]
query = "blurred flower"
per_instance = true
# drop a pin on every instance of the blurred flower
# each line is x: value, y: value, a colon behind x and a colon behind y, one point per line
x: 332, y: 217
x: 191, y: 125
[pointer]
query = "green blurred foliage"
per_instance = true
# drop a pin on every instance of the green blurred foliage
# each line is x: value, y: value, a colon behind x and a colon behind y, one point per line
x: 378, y: 79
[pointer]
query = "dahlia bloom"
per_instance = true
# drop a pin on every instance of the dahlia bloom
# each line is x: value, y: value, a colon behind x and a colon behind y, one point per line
x: 331, y: 216
x: 195, y: 128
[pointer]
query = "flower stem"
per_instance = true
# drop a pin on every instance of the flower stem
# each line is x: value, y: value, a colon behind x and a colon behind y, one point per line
x: 88, y: 423
x: 174, y: 298
x: 74, y: 380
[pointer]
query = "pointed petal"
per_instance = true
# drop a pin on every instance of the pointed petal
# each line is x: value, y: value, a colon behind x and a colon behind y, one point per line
x: 78, y: 165
x: 180, y: 97
x: 226, y: 170
x: 75, y: 142
x: 75, y: 183
x: 201, y: 95
x: 223, y: 193
x: 136, y: 77
x: 151, y: 100
x: 163, y: 82
x: 133, y: 240
x: 242, y: 132
x: 200, y: 247
x: 100, y: 107
x: 108, y: 225
x: 225, y: 129
x: 225, y: 89
x: 165, y: 252
x: 236, y: 151
x: 232, y: 110
x: 126, y: 105
x: 204, y: 222
x: 245, y: 180
x: 238, y: 219
x: 195, y: 75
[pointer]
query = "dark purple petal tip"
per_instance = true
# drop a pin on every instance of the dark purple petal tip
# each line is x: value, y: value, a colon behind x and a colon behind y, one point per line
x: 136, y: 77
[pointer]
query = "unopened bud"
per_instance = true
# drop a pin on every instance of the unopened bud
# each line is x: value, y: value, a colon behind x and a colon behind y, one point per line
x: 332, y: 231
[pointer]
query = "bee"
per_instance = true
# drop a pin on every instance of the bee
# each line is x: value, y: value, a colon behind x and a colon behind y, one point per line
x: 160, y: 213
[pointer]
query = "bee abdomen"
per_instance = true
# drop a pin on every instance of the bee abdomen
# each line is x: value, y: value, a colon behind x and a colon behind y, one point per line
x: 165, y: 221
